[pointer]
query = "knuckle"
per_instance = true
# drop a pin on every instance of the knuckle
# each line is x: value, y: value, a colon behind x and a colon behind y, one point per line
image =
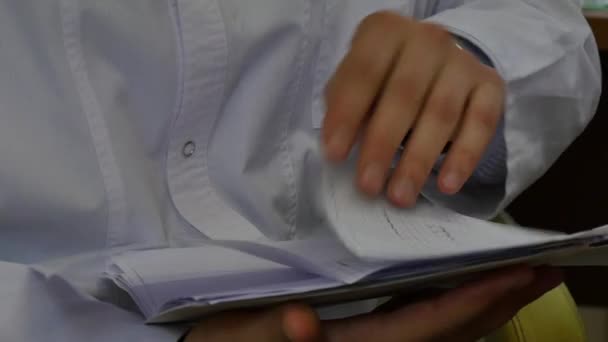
x: 417, y: 167
x: 495, y: 80
x: 436, y: 33
x: 333, y: 96
x: 404, y: 86
x: 374, y: 19
x: 488, y: 76
x: 486, y: 115
x: 445, y: 109
x: 381, y: 139
x: 354, y: 76
x: 366, y: 68
x: 467, y: 60
x: 466, y: 159
x: 486, y: 118
x: 337, y: 109
x: 328, y: 90
x: 340, y: 107
x: 384, y: 19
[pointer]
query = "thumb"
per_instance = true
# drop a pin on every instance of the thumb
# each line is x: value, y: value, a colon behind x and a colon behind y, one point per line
x: 289, y: 323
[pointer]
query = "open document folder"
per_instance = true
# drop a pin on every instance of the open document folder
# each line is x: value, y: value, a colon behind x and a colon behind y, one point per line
x: 363, y: 248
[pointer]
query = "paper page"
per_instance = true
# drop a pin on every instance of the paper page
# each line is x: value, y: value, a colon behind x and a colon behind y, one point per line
x: 594, y: 256
x: 321, y: 255
x: 292, y: 287
x: 155, y: 277
x: 450, y: 272
x: 375, y: 230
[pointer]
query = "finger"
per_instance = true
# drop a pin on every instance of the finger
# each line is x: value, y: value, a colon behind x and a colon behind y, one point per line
x: 545, y: 279
x: 400, y: 103
x: 441, y: 114
x: 461, y: 305
x: 301, y: 324
x: 293, y: 323
x: 426, y: 320
x: 354, y: 87
x: 479, y: 127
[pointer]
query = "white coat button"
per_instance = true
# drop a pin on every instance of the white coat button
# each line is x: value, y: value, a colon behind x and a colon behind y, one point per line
x: 189, y: 149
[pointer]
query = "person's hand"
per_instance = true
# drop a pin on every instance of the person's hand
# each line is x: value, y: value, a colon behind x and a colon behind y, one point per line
x: 404, y: 77
x: 461, y: 315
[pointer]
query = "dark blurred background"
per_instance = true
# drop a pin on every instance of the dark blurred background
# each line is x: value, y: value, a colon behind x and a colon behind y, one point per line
x: 573, y: 195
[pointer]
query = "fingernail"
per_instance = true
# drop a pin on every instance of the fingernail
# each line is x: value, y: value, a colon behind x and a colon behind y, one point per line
x: 291, y: 326
x: 300, y: 324
x: 372, y: 179
x: 338, y: 144
x: 452, y: 182
x: 404, y: 193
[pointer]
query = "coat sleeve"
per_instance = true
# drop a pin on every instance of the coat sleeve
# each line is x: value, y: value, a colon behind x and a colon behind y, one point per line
x: 39, y: 307
x: 546, y: 53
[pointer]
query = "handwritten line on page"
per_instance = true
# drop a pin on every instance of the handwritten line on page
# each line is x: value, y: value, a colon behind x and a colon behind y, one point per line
x: 375, y: 230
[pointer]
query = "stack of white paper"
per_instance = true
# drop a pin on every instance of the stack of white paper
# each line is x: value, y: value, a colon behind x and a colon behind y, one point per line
x: 366, y: 247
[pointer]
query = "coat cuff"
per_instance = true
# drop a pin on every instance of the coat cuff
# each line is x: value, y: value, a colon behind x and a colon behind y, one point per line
x: 492, y: 169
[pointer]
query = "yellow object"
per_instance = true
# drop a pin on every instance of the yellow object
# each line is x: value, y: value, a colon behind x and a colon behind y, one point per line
x: 552, y: 318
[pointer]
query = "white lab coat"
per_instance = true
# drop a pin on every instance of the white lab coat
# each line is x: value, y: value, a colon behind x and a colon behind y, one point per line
x: 137, y: 124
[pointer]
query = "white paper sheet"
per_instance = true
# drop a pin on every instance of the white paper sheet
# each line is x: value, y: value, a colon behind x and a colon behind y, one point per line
x: 374, y: 230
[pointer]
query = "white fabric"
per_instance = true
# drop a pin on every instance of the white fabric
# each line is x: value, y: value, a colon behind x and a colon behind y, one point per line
x: 99, y: 99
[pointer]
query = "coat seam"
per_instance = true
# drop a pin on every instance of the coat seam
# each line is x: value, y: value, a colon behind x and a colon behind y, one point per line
x: 113, y: 183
